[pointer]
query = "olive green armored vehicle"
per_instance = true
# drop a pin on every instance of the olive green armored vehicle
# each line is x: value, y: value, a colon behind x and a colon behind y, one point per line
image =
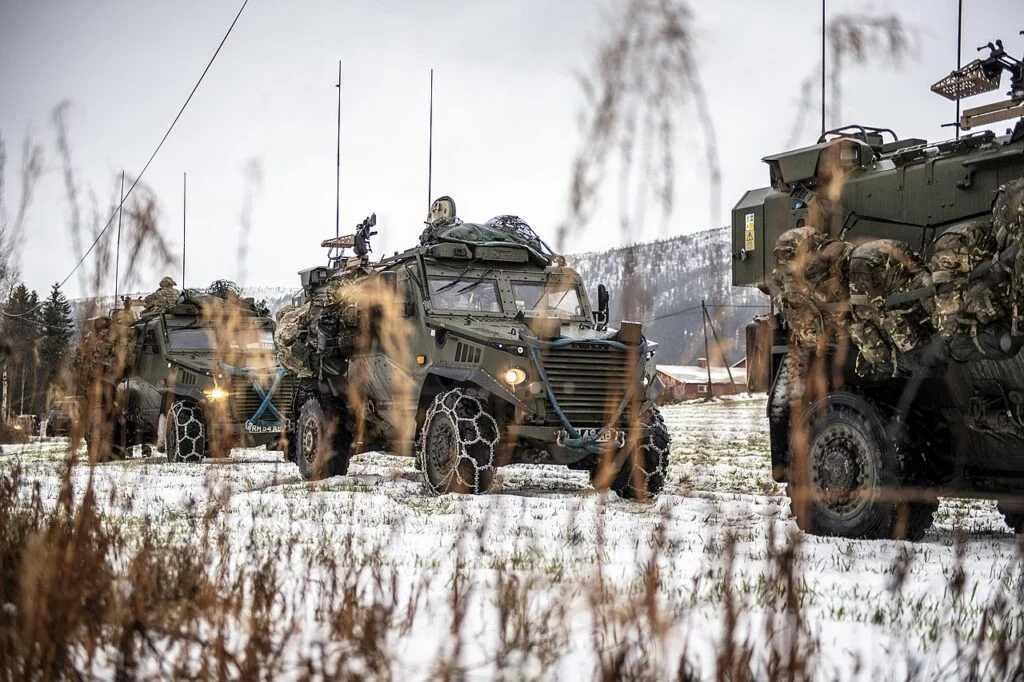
x: 199, y: 377
x: 474, y: 349
x: 892, y: 358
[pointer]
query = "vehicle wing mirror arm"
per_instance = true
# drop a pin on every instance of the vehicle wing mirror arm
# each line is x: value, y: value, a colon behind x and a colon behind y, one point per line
x: 601, y: 315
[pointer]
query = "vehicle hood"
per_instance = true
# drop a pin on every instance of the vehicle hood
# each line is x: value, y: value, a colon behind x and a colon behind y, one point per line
x: 209, y: 365
x: 511, y: 331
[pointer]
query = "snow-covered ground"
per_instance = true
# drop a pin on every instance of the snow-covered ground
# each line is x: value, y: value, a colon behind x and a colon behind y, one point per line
x: 866, y: 609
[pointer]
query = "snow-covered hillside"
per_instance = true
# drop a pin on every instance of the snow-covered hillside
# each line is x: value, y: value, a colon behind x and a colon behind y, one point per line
x: 663, y: 282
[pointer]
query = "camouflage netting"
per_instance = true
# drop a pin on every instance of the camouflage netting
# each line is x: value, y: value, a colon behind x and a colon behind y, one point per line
x: 329, y: 323
x: 223, y: 288
x: 503, y: 229
x: 879, y: 270
x: 292, y: 323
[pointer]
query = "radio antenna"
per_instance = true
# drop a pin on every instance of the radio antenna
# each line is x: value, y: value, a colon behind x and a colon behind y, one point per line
x: 117, y: 253
x: 822, y: 67
x: 430, y: 143
x: 959, y: 58
x: 337, y: 181
x: 184, y: 216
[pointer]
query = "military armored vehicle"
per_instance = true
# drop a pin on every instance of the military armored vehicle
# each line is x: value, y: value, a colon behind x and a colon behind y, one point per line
x: 199, y: 377
x: 891, y: 358
x: 474, y: 349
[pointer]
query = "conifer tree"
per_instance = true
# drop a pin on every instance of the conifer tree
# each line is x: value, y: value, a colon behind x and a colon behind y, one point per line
x: 57, y: 329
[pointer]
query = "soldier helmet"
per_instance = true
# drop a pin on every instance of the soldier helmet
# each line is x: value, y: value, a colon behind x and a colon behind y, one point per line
x: 167, y: 283
x: 441, y: 209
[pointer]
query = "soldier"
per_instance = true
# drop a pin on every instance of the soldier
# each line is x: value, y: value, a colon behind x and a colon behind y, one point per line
x: 884, y: 325
x: 441, y: 215
x: 165, y: 297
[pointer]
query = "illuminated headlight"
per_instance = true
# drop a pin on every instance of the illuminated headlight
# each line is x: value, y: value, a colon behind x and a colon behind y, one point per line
x: 216, y: 393
x: 647, y: 380
x: 514, y: 376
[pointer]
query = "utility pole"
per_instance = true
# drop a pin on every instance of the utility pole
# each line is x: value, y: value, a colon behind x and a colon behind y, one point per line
x: 707, y: 355
x: 718, y: 344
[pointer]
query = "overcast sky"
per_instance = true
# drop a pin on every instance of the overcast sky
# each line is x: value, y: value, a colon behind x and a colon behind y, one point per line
x: 506, y: 111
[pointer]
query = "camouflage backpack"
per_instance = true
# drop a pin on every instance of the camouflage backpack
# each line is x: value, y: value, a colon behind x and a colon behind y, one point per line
x: 1008, y: 219
x: 960, y: 304
x: 883, y: 323
x: 809, y: 282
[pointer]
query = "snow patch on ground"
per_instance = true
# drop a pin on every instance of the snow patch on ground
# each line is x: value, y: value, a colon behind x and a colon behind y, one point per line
x: 547, y: 524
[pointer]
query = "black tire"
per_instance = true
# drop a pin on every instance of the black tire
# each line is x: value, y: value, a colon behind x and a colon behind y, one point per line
x: 1013, y: 515
x: 185, y: 432
x: 120, y: 441
x: 323, y: 441
x: 458, y: 444
x: 642, y: 474
x: 847, y: 483
x: 914, y: 517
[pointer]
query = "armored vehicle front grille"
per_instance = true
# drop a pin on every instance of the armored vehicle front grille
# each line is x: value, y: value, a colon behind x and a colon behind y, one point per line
x: 245, y: 401
x: 589, y: 381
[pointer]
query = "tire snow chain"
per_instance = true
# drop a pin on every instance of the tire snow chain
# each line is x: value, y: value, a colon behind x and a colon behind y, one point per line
x: 441, y: 406
x: 181, y: 429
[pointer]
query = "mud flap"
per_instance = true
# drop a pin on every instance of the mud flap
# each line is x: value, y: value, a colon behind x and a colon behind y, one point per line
x: 161, y: 436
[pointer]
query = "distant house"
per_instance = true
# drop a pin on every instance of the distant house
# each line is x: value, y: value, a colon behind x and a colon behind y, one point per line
x: 689, y: 382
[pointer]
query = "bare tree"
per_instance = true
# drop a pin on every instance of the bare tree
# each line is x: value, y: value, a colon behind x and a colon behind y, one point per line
x: 12, y: 229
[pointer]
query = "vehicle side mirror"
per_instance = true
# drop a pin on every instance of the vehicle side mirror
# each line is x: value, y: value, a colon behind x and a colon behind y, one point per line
x: 601, y: 317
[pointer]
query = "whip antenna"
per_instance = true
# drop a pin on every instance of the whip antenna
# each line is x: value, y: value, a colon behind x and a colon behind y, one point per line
x: 117, y: 253
x: 822, y: 67
x: 184, y: 215
x: 430, y: 142
x: 337, y: 182
x: 959, y: 58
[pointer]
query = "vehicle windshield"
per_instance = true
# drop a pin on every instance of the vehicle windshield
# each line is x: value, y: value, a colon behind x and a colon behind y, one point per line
x: 471, y: 294
x: 202, y: 339
x: 546, y: 298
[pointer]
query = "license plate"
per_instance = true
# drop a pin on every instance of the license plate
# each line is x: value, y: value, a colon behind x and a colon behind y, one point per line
x: 596, y: 436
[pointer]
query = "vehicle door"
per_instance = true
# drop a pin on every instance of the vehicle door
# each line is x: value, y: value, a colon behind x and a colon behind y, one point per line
x: 149, y: 375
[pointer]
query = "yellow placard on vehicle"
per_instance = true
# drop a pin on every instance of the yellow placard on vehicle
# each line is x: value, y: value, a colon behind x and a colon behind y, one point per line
x: 748, y: 234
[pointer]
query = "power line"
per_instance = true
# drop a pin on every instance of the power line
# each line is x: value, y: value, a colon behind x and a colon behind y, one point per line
x: 155, y: 151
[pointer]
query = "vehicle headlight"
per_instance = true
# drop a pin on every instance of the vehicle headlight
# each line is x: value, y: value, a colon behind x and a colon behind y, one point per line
x: 514, y: 376
x: 216, y: 393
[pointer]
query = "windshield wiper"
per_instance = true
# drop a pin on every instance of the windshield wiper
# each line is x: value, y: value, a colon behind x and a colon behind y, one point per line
x: 559, y: 301
x: 477, y: 282
x: 550, y: 307
x: 458, y: 279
